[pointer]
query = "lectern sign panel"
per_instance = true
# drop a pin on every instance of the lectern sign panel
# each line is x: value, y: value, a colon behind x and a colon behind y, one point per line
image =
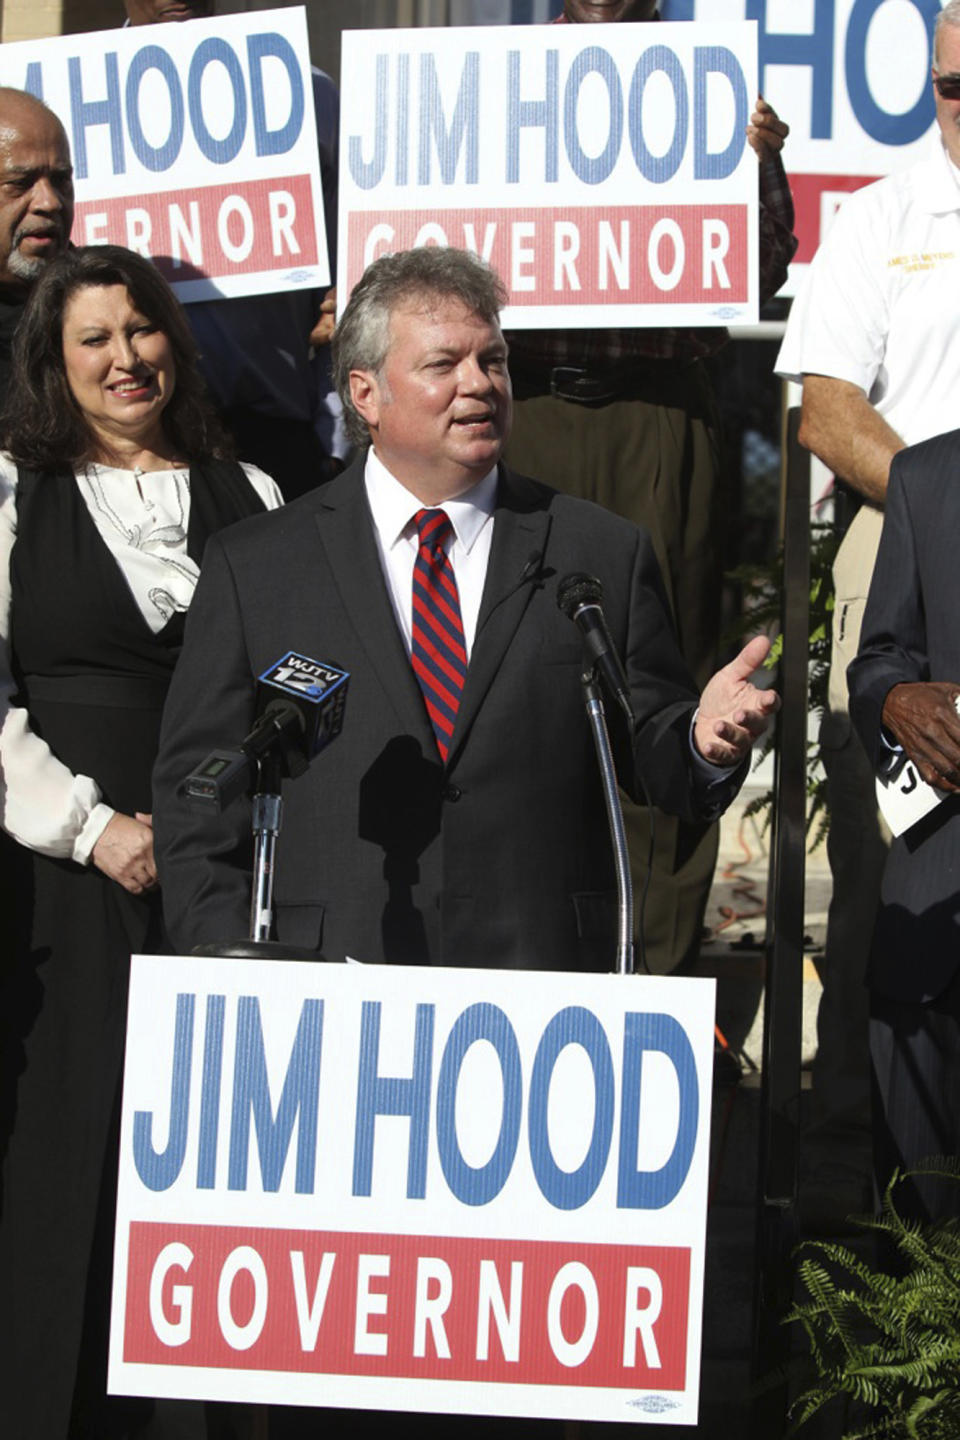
x: 444, y: 1190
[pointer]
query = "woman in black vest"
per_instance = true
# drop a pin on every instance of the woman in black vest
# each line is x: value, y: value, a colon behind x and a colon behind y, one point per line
x: 115, y: 474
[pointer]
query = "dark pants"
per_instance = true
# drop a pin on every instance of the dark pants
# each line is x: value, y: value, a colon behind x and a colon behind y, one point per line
x: 915, y: 1051
x: 840, y: 1097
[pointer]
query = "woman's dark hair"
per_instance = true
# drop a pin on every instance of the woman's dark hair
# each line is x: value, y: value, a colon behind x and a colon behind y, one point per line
x: 42, y: 424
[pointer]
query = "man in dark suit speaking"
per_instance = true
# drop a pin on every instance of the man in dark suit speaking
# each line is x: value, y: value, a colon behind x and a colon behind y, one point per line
x: 459, y: 818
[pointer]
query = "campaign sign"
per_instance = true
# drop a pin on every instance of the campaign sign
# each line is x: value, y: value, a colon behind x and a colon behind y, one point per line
x: 603, y: 171
x: 193, y: 144
x: 454, y: 1191
x: 852, y: 78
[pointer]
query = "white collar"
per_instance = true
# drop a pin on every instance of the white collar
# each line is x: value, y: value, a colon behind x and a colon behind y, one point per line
x: 393, y: 506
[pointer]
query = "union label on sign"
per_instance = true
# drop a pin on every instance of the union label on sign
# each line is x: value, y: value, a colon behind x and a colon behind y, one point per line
x: 411, y: 1189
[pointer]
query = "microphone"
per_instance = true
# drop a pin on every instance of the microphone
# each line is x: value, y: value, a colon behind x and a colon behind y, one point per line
x: 579, y: 597
x: 299, y: 705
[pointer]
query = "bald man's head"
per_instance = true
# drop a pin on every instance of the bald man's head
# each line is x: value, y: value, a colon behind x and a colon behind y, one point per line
x: 36, y: 189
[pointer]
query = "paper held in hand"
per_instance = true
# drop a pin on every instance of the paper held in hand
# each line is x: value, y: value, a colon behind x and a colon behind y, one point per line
x: 904, y: 798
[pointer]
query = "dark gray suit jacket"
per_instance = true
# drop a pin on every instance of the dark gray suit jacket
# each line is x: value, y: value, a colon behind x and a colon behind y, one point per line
x: 499, y: 858
x: 911, y: 632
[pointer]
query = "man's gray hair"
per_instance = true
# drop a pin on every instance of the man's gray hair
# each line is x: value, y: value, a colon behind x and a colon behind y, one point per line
x: 949, y: 15
x: 429, y: 273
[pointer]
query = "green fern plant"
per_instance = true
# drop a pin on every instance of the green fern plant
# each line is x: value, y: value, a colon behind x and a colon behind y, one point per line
x: 890, y: 1342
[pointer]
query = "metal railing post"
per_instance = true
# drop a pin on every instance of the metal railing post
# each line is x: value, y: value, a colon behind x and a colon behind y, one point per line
x: 779, y: 1141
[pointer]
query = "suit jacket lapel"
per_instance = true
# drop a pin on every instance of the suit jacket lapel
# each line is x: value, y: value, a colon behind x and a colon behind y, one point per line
x: 346, y: 534
x: 521, y: 528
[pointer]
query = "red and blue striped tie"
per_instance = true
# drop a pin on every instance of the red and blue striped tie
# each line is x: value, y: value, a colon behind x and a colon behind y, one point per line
x: 438, y: 651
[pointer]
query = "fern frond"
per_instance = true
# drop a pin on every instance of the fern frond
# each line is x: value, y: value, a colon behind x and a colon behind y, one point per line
x: 891, y: 1342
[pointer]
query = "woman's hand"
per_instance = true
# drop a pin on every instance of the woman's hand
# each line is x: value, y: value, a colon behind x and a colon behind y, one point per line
x: 124, y: 852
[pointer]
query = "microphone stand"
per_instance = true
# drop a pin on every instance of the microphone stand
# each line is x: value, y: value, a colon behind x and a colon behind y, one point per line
x: 266, y: 817
x: 618, y: 835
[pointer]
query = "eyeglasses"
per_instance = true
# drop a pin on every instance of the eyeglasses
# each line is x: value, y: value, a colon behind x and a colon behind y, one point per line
x: 948, y: 86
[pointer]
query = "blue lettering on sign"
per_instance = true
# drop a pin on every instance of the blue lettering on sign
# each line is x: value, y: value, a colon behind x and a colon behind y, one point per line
x: 159, y: 1169
x: 569, y: 1189
x: 368, y: 173
x: 279, y: 141
x: 717, y: 60
x: 411, y: 1096
x: 465, y: 124
x: 209, y: 52
x: 210, y: 1092
x: 96, y: 112
x: 251, y: 1096
x: 450, y: 144
x: 478, y: 1184
x: 33, y: 81
x: 435, y: 136
x: 658, y: 168
x: 879, y: 123
x: 592, y: 169
x: 532, y: 114
x: 653, y: 1189
x: 391, y: 1095
x: 813, y: 49
x: 403, y: 119
x: 112, y: 110
x: 151, y: 157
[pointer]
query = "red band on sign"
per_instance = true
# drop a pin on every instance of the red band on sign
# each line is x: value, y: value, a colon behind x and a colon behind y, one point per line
x: 631, y: 255
x: 809, y: 193
x: 421, y: 1307
x: 240, y: 229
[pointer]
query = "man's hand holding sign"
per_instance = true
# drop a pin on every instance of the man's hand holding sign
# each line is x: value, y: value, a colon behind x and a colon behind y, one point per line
x: 922, y: 717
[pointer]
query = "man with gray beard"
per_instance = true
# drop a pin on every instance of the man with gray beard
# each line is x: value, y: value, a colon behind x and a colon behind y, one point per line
x: 36, y: 205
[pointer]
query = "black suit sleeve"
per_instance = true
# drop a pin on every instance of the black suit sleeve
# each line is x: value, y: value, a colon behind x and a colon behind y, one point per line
x: 893, y: 641
x: 204, y: 859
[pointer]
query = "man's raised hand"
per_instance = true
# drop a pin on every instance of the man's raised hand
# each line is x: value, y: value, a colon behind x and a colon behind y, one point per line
x: 733, y: 712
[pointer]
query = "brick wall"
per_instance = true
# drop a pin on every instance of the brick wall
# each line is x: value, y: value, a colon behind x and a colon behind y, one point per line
x: 34, y: 19
x: 30, y: 19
